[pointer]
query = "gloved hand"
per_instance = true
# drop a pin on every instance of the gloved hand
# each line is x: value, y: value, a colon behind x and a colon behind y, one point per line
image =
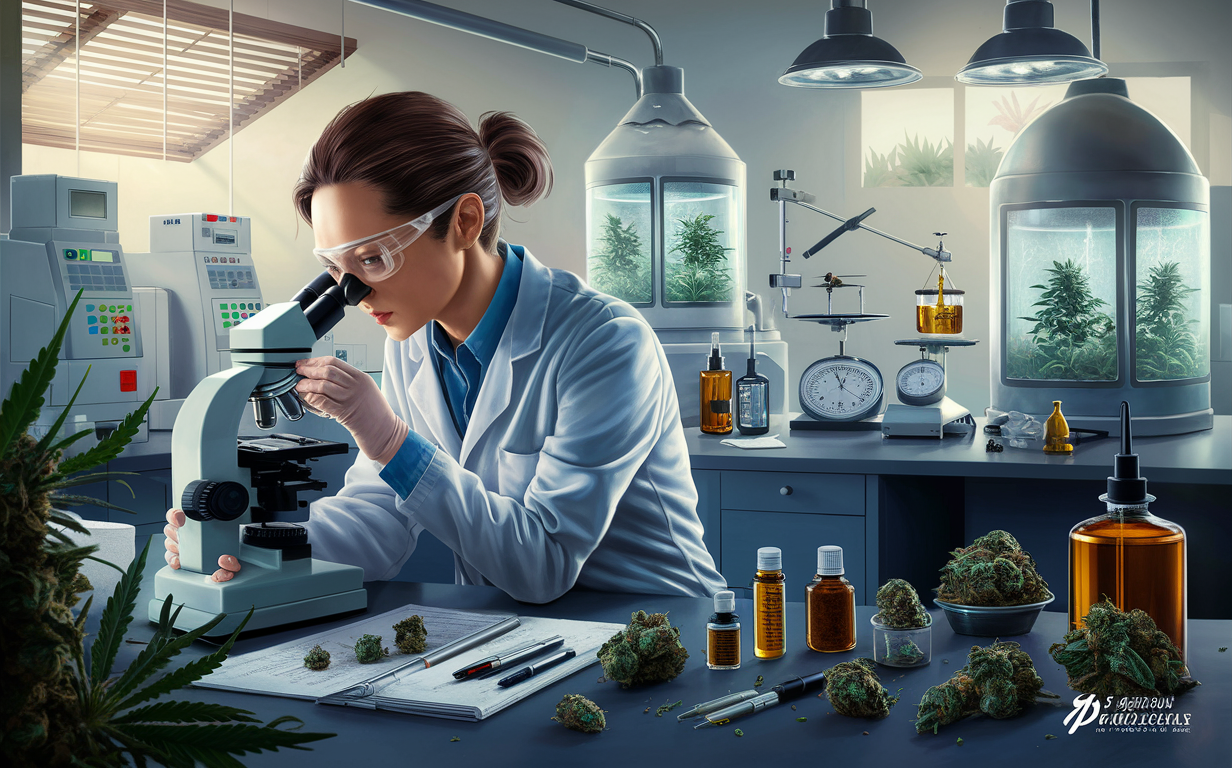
x: 228, y: 565
x: 342, y: 392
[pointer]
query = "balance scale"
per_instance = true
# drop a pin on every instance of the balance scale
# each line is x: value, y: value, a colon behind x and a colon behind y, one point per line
x: 926, y: 411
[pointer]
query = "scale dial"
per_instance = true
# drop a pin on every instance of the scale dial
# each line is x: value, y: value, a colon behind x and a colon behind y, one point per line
x: 921, y: 382
x: 841, y: 388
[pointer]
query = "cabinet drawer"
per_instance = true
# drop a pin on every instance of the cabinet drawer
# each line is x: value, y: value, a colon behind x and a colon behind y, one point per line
x: 798, y: 536
x: 794, y: 492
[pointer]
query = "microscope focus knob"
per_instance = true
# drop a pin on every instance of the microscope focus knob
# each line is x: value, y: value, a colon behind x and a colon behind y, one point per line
x: 213, y: 500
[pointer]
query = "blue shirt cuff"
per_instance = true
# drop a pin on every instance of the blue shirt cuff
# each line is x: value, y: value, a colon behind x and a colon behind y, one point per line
x: 408, y: 465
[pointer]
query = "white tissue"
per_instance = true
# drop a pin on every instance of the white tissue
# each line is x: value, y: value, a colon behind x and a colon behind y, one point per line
x: 768, y: 441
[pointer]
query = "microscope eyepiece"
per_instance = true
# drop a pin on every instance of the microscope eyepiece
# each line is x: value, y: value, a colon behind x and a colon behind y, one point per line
x: 311, y: 292
x: 326, y: 311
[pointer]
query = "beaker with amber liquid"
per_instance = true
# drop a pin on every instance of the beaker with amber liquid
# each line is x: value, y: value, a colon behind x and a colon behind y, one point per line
x: 1131, y: 556
x: 939, y: 311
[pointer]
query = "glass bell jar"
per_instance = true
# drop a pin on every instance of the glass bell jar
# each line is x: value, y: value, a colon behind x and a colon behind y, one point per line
x: 1101, y: 289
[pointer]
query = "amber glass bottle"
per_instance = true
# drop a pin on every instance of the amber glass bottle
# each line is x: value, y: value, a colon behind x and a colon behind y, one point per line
x: 716, y: 393
x: 1056, y: 431
x: 830, y: 605
x: 1136, y: 559
x: 723, y: 633
x: 769, y: 605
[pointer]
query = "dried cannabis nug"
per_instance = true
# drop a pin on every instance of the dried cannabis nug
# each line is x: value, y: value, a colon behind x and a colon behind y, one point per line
x: 855, y: 690
x: 411, y: 635
x: 368, y: 649
x: 647, y: 651
x: 994, y: 570
x: 317, y: 659
x: 999, y: 681
x: 899, y: 606
x: 1116, y: 653
x: 902, y: 650
x: 580, y: 714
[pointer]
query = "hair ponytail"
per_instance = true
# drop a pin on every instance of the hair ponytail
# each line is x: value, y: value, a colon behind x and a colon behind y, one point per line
x: 523, y: 168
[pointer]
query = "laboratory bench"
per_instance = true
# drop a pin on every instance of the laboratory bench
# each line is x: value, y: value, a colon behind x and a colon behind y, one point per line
x: 523, y: 735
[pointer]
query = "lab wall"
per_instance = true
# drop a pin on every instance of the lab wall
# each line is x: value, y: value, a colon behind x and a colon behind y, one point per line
x: 732, y: 53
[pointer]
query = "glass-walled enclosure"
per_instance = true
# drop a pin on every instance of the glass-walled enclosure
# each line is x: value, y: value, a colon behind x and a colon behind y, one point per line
x: 702, y: 237
x: 1060, y: 276
x: 1171, y: 293
x: 618, y: 255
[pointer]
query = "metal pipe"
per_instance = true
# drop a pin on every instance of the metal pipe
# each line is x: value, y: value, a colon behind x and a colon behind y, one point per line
x: 504, y: 33
x: 1095, y: 29
x: 655, y: 42
x: 930, y: 252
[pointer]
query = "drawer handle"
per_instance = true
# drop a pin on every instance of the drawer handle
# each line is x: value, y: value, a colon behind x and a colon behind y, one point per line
x: 785, y: 490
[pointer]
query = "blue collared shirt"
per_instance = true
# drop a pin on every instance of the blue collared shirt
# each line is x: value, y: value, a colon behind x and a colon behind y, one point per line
x: 461, y: 372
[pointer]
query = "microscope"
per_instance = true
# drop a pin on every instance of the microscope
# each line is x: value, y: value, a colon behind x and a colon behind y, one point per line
x: 232, y: 489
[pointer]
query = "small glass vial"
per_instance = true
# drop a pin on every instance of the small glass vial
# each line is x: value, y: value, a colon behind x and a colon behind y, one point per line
x: 1056, y: 432
x: 753, y: 395
x: 723, y: 633
x: 939, y: 311
x: 715, y: 392
x: 830, y: 605
x: 769, y: 605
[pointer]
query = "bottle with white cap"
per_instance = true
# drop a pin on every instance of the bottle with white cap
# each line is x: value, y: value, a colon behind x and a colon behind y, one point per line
x: 723, y: 633
x: 769, y: 605
x: 831, y: 605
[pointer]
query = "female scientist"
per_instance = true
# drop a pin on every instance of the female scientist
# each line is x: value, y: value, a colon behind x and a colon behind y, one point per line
x: 527, y: 421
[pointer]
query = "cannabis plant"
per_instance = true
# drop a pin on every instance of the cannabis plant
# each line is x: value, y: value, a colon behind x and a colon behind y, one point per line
x: 702, y: 273
x: 1013, y: 117
x: 925, y: 164
x: 981, y: 163
x: 55, y: 710
x: 1073, y: 339
x: 879, y: 169
x: 619, y: 268
x: 1165, y: 346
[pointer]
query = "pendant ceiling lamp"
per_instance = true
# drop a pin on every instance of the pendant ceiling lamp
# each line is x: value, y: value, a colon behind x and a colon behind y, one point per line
x: 848, y: 56
x: 1030, y: 51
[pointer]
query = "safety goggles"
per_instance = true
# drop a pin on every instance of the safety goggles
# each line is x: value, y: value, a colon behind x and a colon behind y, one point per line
x: 378, y: 256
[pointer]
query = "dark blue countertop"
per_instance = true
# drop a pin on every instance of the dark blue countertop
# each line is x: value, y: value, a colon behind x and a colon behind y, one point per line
x: 524, y: 734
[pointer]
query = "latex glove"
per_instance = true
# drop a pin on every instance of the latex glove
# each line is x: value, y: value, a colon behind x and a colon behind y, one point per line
x: 347, y: 394
x: 228, y: 565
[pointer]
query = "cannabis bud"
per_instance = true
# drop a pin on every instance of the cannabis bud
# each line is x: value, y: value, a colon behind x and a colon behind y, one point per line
x: 855, y: 690
x: 994, y: 570
x: 1119, y: 653
x: 368, y: 649
x: 999, y: 681
x: 580, y: 714
x: 317, y: 659
x: 899, y: 606
x: 411, y: 636
x: 647, y: 651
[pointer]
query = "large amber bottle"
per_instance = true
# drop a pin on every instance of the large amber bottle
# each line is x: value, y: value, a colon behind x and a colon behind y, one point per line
x: 1131, y: 556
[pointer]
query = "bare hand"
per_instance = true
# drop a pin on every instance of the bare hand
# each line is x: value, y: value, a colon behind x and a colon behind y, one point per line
x: 228, y: 565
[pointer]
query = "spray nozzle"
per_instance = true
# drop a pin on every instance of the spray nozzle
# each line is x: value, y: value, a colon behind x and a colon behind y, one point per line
x: 716, y: 354
x: 1125, y: 486
x: 752, y: 369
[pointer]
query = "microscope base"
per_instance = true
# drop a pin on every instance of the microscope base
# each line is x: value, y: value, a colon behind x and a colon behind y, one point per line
x: 297, y: 591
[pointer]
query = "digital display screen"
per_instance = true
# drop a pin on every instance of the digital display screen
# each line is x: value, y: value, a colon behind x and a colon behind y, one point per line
x: 108, y: 256
x: 86, y: 204
x: 224, y: 237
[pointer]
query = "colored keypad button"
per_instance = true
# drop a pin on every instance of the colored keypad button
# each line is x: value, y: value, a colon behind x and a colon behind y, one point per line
x: 106, y: 329
x: 91, y: 320
x: 226, y: 324
x: 233, y: 306
x: 244, y: 315
x: 104, y: 342
x: 94, y: 330
x: 125, y: 347
x: 114, y: 342
x: 128, y: 307
x: 89, y: 307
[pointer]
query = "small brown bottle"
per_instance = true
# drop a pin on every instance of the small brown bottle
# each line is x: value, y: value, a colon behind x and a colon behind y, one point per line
x: 716, y: 393
x: 1056, y: 432
x: 723, y: 633
x: 830, y: 605
x: 769, y: 605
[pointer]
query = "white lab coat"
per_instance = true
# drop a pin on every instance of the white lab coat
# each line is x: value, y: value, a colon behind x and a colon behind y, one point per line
x: 573, y: 472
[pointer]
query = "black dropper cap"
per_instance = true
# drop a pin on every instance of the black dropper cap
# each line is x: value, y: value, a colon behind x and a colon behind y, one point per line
x: 1125, y: 486
x: 752, y: 366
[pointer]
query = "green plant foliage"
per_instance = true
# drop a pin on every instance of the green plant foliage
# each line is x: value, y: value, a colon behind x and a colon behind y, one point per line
x: 925, y: 164
x: 645, y: 652
x: 981, y: 163
x: 879, y: 169
x: 1166, y: 347
x: 621, y: 268
x: 1073, y: 338
x: 702, y: 273
x: 55, y: 711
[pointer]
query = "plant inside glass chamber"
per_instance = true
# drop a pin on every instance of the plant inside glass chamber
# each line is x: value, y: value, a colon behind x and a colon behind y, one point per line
x: 702, y: 274
x: 1165, y: 345
x: 619, y: 267
x: 1074, y: 338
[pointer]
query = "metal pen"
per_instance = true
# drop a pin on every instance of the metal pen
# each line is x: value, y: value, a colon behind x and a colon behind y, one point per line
x: 792, y: 689
x: 714, y: 705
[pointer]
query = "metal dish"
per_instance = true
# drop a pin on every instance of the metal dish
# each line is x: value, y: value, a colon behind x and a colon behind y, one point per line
x: 992, y: 621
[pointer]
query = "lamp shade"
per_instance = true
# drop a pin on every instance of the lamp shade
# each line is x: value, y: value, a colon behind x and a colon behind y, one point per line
x: 848, y: 56
x: 1030, y: 51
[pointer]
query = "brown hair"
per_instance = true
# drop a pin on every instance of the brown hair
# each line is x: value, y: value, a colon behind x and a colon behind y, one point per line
x: 419, y: 151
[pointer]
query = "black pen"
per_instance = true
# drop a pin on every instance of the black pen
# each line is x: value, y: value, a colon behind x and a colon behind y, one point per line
x: 513, y: 657
x: 525, y: 673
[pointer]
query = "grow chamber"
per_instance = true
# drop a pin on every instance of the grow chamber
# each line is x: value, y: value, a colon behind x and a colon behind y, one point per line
x: 1101, y: 290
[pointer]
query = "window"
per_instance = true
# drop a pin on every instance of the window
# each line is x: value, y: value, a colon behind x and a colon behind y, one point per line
x: 122, y: 86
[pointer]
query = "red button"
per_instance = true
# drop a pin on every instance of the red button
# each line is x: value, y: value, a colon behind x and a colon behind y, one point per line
x: 211, y: 217
x: 128, y: 381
